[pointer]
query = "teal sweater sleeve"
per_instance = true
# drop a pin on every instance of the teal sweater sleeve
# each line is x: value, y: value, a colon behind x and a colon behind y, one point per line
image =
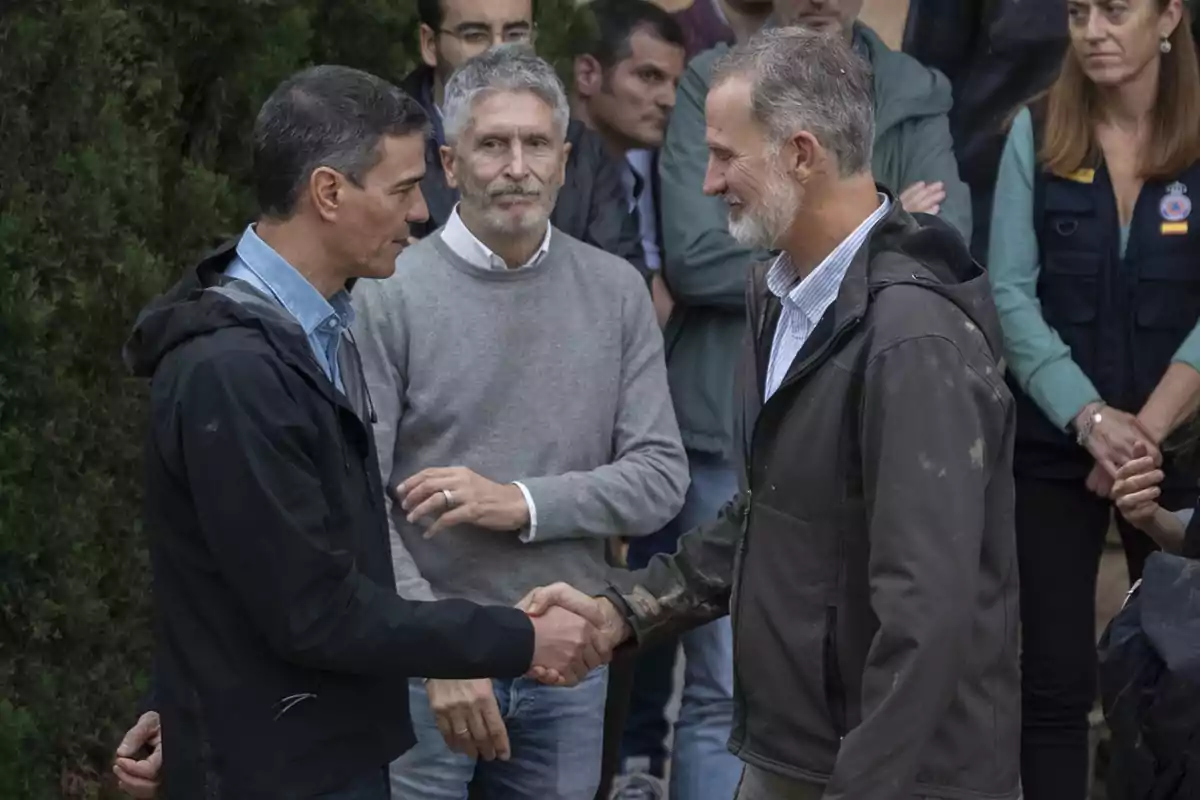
x: 1189, y: 352
x: 1036, y: 354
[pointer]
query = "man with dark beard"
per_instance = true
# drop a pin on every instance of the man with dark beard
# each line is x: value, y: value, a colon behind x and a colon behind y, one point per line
x: 869, y: 564
x: 522, y: 419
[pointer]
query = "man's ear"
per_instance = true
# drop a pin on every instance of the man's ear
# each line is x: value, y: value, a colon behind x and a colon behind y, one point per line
x: 447, y: 154
x: 802, y: 155
x: 428, y: 45
x: 325, y: 188
x: 589, y: 76
x: 562, y: 176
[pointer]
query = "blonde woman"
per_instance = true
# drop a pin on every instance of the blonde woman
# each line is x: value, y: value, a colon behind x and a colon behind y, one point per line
x: 1093, y: 258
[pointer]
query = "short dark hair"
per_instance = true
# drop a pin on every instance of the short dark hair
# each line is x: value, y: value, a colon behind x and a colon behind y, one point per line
x: 610, y: 24
x: 433, y: 12
x: 325, y: 116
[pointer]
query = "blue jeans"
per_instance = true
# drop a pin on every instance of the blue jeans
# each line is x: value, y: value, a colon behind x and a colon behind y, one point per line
x: 556, y: 737
x: 701, y: 765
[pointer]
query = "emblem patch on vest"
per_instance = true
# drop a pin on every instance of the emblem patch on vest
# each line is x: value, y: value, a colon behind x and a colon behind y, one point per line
x: 1080, y: 176
x: 1175, y: 208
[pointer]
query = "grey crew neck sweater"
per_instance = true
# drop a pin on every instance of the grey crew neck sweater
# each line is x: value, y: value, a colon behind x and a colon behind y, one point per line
x: 551, y: 375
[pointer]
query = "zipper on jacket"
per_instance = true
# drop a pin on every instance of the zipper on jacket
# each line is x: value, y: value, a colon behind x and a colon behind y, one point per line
x: 337, y: 411
x: 835, y: 695
x: 835, y: 692
x: 362, y: 379
x: 834, y: 340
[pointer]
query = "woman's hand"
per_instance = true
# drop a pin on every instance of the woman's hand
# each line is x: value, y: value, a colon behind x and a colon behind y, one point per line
x: 1136, y: 492
x: 1113, y: 437
x: 1137, y: 488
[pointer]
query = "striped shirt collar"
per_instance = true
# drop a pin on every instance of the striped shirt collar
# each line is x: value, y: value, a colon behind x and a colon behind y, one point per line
x: 813, y: 295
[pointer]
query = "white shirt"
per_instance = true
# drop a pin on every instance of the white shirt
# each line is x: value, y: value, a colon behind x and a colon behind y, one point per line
x: 467, y: 246
x: 642, y: 163
x: 806, y: 301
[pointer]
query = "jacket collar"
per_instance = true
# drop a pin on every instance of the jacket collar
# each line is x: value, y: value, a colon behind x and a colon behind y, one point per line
x: 847, y: 310
x: 930, y: 253
x: 851, y: 302
x: 205, y: 300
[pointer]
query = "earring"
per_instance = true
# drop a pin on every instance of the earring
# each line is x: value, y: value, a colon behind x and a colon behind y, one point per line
x: 1165, y: 46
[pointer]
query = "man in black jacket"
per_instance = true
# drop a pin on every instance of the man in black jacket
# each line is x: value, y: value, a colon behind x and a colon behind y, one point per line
x: 870, y: 563
x: 627, y: 68
x: 283, y: 648
x: 998, y: 54
x: 592, y: 205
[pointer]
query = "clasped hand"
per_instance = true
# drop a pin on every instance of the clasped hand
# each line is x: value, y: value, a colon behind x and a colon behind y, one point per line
x: 573, y: 634
x: 1117, y: 438
x: 561, y: 657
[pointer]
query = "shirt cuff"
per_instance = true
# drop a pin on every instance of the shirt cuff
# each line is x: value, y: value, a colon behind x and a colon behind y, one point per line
x: 529, y: 533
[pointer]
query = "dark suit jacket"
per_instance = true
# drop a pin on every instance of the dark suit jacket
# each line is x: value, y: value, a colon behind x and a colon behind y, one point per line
x: 592, y: 205
x: 997, y: 54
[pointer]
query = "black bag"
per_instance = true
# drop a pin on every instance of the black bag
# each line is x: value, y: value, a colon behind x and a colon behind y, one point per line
x: 1150, y: 684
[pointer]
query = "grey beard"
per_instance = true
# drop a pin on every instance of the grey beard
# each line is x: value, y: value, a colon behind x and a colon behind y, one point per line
x: 762, y: 227
x: 532, y: 220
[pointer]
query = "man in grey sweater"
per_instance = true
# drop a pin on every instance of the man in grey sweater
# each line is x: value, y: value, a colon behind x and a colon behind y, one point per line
x: 522, y: 417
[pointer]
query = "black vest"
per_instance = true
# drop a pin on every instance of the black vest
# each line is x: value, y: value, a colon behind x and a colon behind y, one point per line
x: 1123, y: 318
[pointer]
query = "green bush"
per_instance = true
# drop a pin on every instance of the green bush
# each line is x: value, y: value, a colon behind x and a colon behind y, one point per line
x: 124, y: 128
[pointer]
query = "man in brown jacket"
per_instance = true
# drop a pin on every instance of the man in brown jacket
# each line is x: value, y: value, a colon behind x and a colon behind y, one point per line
x: 869, y: 564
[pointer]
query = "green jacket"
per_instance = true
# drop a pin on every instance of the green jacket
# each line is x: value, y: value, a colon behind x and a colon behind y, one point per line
x: 706, y: 269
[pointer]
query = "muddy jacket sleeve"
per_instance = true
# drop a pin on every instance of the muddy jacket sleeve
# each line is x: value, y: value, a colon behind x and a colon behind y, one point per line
x: 248, y: 442
x: 932, y: 431
x: 687, y: 588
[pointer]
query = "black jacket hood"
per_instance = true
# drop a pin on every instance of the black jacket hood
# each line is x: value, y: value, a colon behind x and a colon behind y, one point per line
x: 202, y: 302
x: 949, y: 270
x: 957, y: 276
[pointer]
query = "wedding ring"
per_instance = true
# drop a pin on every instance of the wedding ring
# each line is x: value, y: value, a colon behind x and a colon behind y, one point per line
x: 463, y: 732
x: 449, y: 498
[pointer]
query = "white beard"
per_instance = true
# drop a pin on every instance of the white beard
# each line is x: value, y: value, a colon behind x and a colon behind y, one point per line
x: 763, y: 226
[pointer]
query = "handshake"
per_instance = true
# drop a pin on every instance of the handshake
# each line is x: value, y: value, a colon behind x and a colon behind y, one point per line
x: 573, y: 633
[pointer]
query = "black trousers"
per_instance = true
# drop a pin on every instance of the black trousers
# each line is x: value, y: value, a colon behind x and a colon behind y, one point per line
x: 372, y: 786
x: 1061, y: 528
x: 616, y: 710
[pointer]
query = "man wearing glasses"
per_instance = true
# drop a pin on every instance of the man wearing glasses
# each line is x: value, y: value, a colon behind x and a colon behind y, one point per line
x: 592, y: 206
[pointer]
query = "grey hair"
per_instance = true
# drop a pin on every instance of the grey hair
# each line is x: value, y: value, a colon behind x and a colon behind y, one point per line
x: 503, y: 68
x: 802, y: 80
